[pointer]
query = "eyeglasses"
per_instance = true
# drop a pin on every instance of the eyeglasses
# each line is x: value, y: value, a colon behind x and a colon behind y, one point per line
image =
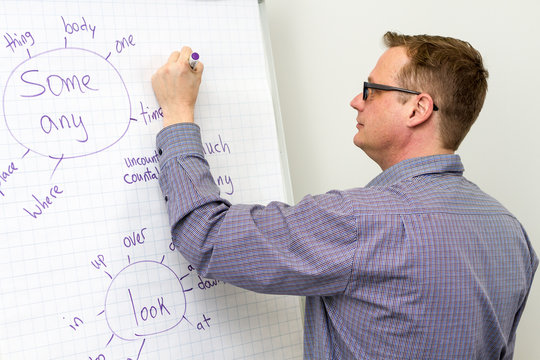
x: 368, y: 85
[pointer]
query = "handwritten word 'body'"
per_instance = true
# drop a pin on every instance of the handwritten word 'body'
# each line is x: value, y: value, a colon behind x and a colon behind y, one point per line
x: 74, y: 27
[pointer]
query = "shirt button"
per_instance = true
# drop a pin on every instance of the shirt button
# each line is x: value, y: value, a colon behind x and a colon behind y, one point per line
x: 166, y: 198
x: 160, y: 151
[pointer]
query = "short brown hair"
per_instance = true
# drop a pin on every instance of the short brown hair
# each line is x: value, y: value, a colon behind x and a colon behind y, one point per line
x: 452, y: 72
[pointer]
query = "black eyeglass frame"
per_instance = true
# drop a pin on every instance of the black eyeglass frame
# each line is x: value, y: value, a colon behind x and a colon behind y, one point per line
x: 368, y: 85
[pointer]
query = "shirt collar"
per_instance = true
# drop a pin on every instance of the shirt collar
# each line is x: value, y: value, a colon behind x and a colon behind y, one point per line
x: 418, y: 166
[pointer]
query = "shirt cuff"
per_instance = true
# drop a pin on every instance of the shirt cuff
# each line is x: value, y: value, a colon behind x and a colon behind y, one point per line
x: 179, y: 140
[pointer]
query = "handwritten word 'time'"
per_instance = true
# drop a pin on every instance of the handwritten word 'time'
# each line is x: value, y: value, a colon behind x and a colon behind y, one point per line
x: 19, y: 41
x: 42, y: 205
x: 4, y: 175
x: 150, y: 115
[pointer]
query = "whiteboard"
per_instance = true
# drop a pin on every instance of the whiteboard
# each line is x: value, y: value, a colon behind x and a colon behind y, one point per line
x: 88, y: 268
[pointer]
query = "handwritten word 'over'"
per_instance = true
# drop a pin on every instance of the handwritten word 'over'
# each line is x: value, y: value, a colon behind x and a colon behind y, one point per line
x: 134, y: 238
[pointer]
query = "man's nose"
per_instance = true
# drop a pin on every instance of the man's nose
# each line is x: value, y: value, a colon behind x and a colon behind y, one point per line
x: 358, y: 102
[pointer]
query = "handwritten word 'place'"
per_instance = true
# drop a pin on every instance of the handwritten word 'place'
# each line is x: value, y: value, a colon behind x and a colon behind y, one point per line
x: 6, y: 174
x: 41, y: 205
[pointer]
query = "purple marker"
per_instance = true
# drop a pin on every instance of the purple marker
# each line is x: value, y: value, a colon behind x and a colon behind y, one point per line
x: 193, y: 60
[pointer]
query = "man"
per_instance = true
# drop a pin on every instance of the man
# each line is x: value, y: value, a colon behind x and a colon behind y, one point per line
x: 419, y: 264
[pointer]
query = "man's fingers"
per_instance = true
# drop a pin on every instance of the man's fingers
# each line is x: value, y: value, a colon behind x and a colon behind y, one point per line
x: 174, y: 56
x: 185, y: 53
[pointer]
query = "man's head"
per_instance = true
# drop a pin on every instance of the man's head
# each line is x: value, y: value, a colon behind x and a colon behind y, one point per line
x: 452, y: 72
x: 432, y: 91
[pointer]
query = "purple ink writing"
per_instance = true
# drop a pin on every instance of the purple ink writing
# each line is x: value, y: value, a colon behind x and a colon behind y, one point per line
x: 74, y: 27
x: 56, y: 83
x: 151, y: 311
x: 6, y: 174
x: 134, y: 238
x: 148, y: 312
x: 63, y: 123
x: 148, y: 115
x: 77, y: 101
x: 148, y: 175
x: 42, y: 205
x: 205, y: 284
x: 206, y: 320
x: 216, y: 147
x: 124, y: 43
x: 99, y: 262
x: 144, y: 160
x: 225, y: 181
x: 14, y: 41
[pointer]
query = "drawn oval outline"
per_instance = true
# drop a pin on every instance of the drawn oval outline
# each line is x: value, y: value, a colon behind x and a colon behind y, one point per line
x: 65, y: 155
x: 135, y: 335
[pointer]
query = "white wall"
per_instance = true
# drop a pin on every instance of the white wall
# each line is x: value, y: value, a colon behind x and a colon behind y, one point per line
x: 324, y: 50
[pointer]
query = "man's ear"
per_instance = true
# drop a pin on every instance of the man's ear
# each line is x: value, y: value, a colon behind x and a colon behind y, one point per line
x: 421, y: 110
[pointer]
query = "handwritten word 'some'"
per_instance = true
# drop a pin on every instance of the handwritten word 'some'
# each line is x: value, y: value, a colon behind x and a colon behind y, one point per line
x: 6, y: 174
x: 65, y: 98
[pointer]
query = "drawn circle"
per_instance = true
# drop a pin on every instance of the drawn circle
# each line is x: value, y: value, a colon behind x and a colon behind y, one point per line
x: 145, y: 298
x: 66, y: 103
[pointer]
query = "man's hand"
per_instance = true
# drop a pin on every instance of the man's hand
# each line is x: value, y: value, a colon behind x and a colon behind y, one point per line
x: 176, y: 86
